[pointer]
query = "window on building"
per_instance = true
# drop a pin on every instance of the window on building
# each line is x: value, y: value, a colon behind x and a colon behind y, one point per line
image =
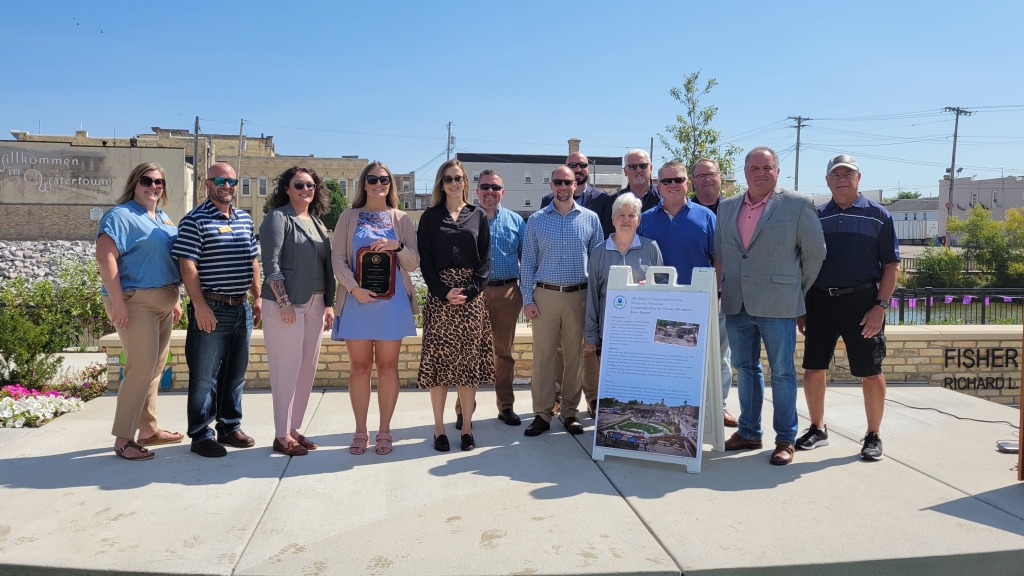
x: 405, y: 186
x: 527, y: 199
x: 528, y: 177
x: 995, y: 197
x: 547, y: 176
x: 262, y: 187
x: 476, y: 175
x: 974, y: 198
x: 245, y: 187
x: 406, y: 204
x: 343, y: 184
x: 419, y: 203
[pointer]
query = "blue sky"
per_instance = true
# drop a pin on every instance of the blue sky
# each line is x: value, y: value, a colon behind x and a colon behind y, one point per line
x: 381, y: 79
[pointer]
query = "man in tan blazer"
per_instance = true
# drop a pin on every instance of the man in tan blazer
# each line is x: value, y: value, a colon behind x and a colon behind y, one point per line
x: 768, y: 247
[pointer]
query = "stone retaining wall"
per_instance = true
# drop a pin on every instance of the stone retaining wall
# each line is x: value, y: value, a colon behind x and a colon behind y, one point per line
x: 937, y: 355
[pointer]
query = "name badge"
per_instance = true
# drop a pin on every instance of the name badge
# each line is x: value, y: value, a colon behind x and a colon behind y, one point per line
x: 224, y: 229
x: 168, y: 222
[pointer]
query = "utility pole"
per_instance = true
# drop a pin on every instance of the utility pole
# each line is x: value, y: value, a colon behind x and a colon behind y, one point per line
x: 448, y: 147
x: 652, y: 153
x: 952, y: 167
x: 238, y: 160
x: 796, y: 172
x: 195, y: 164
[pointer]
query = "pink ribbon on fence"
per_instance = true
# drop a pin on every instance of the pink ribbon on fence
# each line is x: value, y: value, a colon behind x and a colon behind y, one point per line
x: 949, y: 299
x: 986, y: 300
x: 967, y: 299
x: 895, y: 303
x: 912, y: 302
x: 1007, y: 299
x: 931, y: 301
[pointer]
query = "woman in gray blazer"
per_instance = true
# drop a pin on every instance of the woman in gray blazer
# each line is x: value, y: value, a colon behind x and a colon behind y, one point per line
x: 296, y: 253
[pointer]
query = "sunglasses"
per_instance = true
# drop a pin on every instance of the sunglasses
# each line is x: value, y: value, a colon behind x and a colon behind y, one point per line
x: 450, y: 179
x: 223, y: 181
x: 667, y: 181
x: 495, y: 187
x: 371, y: 179
x: 558, y: 182
x: 641, y: 166
x: 575, y: 165
x: 147, y: 181
x: 304, y: 185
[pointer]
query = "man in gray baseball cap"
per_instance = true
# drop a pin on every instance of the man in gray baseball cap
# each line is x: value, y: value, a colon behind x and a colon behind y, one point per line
x: 849, y: 300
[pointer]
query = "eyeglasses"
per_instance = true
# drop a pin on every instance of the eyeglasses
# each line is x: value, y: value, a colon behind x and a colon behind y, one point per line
x: 667, y: 181
x: 640, y: 166
x: 705, y: 176
x: 843, y: 175
x: 371, y: 179
x: 558, y: 182
x: 223, y: 181
x: 147, y: 181
x: 486, y: 187
x: 304, y: 185
x: 575, y: 165
x: 450, y: 179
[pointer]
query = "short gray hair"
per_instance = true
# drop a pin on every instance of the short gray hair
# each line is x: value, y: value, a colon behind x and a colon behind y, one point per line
x: 760, y: 149
x: 673, y: 165
x: 625, y: 159
x: 709, y: 160
x: 627, y: 199
x: 489, y: 172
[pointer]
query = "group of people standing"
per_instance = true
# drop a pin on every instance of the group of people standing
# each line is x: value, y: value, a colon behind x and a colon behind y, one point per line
x: 482, y: 265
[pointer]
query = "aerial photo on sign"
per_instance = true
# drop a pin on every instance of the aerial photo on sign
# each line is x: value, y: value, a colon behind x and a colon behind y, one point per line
x: 648, y: 427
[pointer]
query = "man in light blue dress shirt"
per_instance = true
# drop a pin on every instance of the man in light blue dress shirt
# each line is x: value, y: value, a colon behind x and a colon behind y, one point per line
x: 556, y: 252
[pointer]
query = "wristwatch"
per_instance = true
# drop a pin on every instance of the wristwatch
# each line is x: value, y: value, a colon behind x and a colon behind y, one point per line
x: 883, y: 303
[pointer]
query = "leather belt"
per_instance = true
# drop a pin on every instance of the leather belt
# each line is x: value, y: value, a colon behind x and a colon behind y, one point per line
x: 850, y: 290
x: 232, y: 300
x: 557, y: 288
x: 502, y: 282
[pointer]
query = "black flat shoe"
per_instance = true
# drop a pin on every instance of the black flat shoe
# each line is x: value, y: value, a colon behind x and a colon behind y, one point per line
x: 467, y: 442
x: 441, y: 443
x: 509, y: 417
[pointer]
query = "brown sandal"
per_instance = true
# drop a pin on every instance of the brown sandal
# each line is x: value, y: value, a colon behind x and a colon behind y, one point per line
x: 155, y: 439
x: 383, y: 444
x: 359, y: 442
x: 306, y: 443
x: 146, y: 454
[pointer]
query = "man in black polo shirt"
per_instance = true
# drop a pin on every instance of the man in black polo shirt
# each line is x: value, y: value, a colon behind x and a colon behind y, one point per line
x: 849, y: 299
x: 216, y: 251
x: 638, y: 169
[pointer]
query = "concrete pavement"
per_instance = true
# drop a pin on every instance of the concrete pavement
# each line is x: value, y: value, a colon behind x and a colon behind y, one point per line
x: 942, y: 502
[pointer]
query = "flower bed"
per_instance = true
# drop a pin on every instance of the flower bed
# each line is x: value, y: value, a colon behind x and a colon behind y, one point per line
x: 21, y: 406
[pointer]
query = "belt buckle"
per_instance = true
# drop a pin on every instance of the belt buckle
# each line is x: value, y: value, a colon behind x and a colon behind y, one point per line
x: 833, y: 291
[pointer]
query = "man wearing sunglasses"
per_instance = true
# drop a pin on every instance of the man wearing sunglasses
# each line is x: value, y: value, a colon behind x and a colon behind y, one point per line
x: 637, y: 167
x: 216, y: 251
x: 592, y: 199
x: 559, y: 239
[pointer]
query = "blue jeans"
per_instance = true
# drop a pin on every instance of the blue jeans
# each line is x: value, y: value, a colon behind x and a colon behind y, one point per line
x: 217, y: 362
x: 779, y: 335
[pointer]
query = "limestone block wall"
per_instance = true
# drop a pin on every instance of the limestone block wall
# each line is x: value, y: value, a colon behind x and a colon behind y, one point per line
x: 48, y: 222
x: 983, y: 361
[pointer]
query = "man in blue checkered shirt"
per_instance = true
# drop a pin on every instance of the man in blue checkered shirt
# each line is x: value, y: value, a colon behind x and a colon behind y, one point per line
x: 556, y: 252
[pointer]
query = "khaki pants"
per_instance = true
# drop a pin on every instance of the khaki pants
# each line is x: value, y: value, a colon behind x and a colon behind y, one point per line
x: 561, y: 321
x: 145, y: 341
x: 591, y: 374
x: 504, y: 303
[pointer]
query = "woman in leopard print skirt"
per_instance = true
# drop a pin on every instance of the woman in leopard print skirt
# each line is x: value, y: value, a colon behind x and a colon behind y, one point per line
x: 455, y: 258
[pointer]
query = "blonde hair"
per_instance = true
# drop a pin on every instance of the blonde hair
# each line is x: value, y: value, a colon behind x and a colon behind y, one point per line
x: 133, y: 179
x: 392, y: 197
x: 439, y: 193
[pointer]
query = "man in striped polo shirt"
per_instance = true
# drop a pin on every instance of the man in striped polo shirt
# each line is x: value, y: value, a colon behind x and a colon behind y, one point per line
x: 849, y: 299
x: 216, y: 251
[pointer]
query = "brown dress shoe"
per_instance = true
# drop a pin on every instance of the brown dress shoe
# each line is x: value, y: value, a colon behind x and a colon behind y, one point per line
x: 783, y: 454
x: 729, y: 420
x: 238, y: 439
x: 737, y: 442
x: 292, y: 449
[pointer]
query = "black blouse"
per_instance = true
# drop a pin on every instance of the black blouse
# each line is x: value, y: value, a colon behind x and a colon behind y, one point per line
x: 465, y: 243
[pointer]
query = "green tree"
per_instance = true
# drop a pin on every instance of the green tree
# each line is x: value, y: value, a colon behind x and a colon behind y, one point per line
x: 995, y: 247
x: 338, y: 204
x: 903, y: 195
x: 940, y: 267
x: 692, y: 136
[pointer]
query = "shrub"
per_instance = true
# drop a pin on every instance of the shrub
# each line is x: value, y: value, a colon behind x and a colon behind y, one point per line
x: 28, y: 348
x: 940, y: 267
x: 86, y: 384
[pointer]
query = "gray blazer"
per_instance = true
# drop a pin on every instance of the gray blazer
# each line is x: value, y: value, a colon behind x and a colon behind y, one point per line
x: 288, y: 254
x: 773, y: 274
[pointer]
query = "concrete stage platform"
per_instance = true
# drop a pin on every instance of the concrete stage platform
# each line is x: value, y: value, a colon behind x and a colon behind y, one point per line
x: 942, y: 502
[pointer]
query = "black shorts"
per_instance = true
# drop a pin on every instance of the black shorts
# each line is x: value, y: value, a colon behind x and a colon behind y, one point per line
x: 828, y: 318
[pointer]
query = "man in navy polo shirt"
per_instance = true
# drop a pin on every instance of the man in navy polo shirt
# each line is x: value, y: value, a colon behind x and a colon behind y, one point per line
x: 216, y: 251
x: 685, y: 232
x: 849, y: 299
x: 638, y: 169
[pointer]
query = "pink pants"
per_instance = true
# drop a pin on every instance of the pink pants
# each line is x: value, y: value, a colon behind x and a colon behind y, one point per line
x: 292, y: 353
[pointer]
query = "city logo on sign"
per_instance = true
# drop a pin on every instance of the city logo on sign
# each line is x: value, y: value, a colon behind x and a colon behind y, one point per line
x: 620, y: 302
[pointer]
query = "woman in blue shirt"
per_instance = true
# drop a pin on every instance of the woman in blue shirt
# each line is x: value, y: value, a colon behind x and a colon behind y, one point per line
x: 141, y: 297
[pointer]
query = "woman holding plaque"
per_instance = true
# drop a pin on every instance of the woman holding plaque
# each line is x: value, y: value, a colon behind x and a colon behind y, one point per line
x: 455, y: 258
x: 299, y: 289
x: 374, y: 251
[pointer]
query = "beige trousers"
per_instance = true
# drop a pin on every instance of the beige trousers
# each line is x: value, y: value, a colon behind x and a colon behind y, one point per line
x: 561, y: 324
x: 591, y: 374
x: 145, y: 341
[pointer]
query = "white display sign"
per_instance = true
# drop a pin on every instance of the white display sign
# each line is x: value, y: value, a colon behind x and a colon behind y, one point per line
x: 657, y: 374
x: 95, y: 213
